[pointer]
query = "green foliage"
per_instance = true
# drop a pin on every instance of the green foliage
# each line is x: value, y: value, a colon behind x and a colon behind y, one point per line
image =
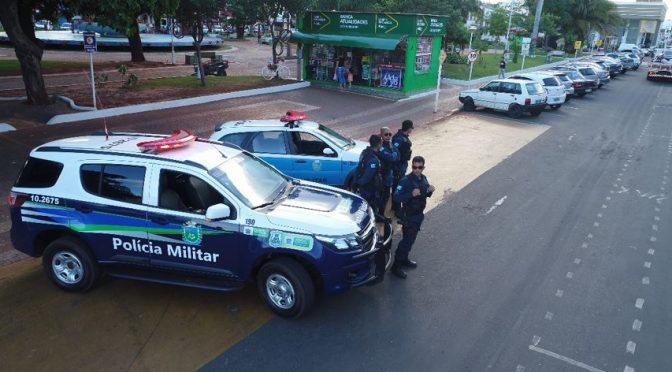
x: 131, y: 81
x: 456, y: 59
x: 99, y: 79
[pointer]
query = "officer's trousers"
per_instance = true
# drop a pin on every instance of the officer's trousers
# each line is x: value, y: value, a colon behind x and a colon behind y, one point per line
x: 409, y: 232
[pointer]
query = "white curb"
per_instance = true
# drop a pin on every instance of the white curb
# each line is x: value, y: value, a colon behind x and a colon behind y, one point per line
x: 67, y: 118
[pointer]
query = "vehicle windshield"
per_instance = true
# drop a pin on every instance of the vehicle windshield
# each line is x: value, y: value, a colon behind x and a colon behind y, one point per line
x: 534, y: 88
x: 587, y: 71
x: 252, y: 180
x: 340, y: 141
x: 667, y: 53
x: 574, y: 75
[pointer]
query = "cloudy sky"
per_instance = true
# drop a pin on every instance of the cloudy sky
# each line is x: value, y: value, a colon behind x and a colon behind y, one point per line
x: 667, y: 16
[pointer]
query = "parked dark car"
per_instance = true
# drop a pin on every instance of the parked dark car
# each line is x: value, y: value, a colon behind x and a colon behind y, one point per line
x: 582, y: 86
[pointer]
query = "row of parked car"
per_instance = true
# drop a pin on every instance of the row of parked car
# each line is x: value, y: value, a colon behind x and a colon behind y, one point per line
x: 532, y: 92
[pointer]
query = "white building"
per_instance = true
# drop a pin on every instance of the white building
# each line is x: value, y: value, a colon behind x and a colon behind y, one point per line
x: 643, y: 19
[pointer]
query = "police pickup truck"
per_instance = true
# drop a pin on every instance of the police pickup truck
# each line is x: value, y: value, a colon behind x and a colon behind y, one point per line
x: 182, y: 210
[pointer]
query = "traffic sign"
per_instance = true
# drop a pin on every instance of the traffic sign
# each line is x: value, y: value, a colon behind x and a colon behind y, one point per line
x: 577, y: 45
x: 473, y: 56
x: 525, y: 47
x: 599, y: 43
x: 90, y: 44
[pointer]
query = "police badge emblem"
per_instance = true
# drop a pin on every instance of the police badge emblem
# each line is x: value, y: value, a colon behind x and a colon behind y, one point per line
x: 191, y: 233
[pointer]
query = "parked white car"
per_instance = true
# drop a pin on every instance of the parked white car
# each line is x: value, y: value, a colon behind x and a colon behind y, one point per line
x: 553, y: 86
x: 514, y: 96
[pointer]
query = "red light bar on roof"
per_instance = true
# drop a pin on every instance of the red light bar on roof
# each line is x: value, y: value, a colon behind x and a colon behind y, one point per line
x: 293, y: 116
x: 179, y: 138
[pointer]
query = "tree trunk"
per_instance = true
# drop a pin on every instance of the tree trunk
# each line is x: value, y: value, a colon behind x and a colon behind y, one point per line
x: 240, y: 32
x: 135, y: 45
x: 273, y: 41
x: 17, y: 21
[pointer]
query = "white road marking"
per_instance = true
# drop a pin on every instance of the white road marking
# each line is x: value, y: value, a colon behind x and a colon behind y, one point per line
x: 639, y: 303
x: 584, y: 245
x: 570, y: 137
x: 623, y: 189
x: 569, y: 275
x: 559, y: 293
x: 656, y: 209
x: 549, y: 315
x: 647, y: 264
x: 651, y: 251
x: 618, y: 179
x: 611, y: 191
x: 520, y: 368
x: 564, y: 359
x: 654, y: 227
x: 608, y: 198
x: 497, y: 204
x: 596, y: 224
x: 645, y: 280
x: 535, y: 340
x: 589, y: 236
x: 599, y: 215
x: 653, y: 239
x: 656, y: 218
x: 637, y: 325
x: 630, y: 347
x: 577, y: 261
x: 604, y: 206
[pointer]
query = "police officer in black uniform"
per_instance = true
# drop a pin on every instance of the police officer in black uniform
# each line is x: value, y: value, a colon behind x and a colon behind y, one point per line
x: 412, y: 192
x: 389, y: 157
x: 402, y: 143
x: 369, y: 179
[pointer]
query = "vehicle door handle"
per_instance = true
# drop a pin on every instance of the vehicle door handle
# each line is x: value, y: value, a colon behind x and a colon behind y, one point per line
x: 84, y: 208
x: 301, y: 161
x: 160, y: 220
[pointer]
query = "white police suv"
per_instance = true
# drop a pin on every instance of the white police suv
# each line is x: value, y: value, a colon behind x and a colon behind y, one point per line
x: 297, y: 147
x: 182, y: 210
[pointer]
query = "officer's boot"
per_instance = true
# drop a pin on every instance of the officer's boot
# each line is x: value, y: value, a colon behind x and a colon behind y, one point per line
x: 397, y: 271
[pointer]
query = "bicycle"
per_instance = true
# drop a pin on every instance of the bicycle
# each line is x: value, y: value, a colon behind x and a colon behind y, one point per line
x: 272, y: 70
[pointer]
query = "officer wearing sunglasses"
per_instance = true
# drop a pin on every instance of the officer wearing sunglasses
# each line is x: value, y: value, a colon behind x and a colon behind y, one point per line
x: 412, y: 192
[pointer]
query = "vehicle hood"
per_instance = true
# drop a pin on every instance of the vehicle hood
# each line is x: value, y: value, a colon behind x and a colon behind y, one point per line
x: 352, y: 154
x: 321, y: 210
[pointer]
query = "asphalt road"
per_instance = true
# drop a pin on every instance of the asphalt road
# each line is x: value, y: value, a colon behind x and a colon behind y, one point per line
x: 555, y: 260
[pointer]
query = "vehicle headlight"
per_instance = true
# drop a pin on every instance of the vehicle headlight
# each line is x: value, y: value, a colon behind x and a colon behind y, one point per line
x: 340, y: 242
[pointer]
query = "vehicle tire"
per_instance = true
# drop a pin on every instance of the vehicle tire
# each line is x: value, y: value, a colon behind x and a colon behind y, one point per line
x: 221, y: 72
x: 70, y: 265
x: 286, y: 287
x: 535, y: 112
x: 468, y: 104
x: 267, y: 73
x: 555, y: 107
x: 283, y: 72
x: 581, y: 94
x: 515, y: 111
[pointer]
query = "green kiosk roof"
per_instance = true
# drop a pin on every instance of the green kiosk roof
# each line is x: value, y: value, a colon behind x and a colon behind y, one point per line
x: 346, y: 40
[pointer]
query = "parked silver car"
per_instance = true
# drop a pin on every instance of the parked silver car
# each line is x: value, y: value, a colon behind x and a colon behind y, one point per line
x: 588, y: 69
x: 564, y: 79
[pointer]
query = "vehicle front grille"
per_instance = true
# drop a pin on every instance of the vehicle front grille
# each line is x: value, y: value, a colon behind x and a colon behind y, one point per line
x: 366, y: 235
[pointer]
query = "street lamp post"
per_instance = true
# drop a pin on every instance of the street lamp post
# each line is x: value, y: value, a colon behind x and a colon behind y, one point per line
x: 472, y: 28
x: 508, y: 29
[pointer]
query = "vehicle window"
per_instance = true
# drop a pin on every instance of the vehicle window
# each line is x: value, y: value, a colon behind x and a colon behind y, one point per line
x: 39, y: 173
x: 534, y: 88
x: 183, y: 192
x: 269, y: 143
x: 252, y: 180
x: 574, y: 75
x: 562, y: 77
x: 304, y: 143
x: 235, y: 138
x: 336, y: 137
x: 117, y: 182
x: 507, y: 87
x: 550, y: 82
x: 492, y: 87
x: 587, y: 71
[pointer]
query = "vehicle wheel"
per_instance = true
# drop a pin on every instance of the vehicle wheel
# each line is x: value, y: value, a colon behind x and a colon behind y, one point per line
x: 221, y: 72
x: 286, y: 287
x: 515, y: 111
x: 535, y: 112
x: 555, y: 107
x: 581, y: 94
x: 469, y: 104
x: 267, y: 73
x: 283, y: 72
x: 70, y: 265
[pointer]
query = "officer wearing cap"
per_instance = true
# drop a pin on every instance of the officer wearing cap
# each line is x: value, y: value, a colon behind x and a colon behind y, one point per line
x: 412, y: 192
x: 369, y: 179
x: 403, y: 144
x: 389, y: 156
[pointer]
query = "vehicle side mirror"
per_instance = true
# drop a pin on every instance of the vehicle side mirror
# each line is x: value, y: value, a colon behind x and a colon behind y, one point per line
x: 328, y: 151
x: 218, y: 212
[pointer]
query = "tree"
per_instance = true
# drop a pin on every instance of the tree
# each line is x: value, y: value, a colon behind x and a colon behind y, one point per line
x: 243, y: 13
x: 17, y: 19
x: 192, y: 14
x: 122, y: 15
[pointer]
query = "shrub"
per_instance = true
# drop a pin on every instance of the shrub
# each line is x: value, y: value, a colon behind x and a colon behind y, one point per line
x: 456, y: 59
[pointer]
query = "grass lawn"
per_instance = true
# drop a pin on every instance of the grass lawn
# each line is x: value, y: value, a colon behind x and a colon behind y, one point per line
x: 11, y: 66
x: 210, y: 82
x: 488, y: 65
